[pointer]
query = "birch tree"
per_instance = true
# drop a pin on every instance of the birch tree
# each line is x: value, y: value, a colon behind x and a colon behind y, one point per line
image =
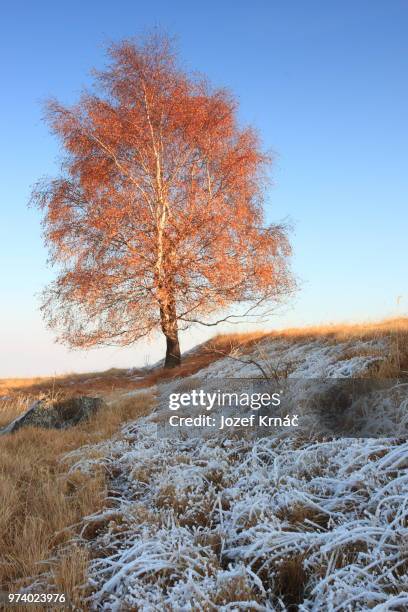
x: 156, y: 220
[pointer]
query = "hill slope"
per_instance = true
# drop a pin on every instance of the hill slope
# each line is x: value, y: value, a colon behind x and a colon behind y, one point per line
x: 281, y: 522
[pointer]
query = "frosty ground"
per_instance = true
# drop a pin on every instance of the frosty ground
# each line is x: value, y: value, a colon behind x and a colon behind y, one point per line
x: 283, y: 522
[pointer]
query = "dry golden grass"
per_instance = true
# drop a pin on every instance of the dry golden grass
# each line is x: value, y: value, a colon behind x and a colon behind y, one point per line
x: 391, y: 328
x: 236, y: 589
x: 41, y: 503
x: 113, y: 380
x: 74, y: 384
x: 347, y: 331
x: 12, y: 407
x: 70, y: 572
x: 291, y: 580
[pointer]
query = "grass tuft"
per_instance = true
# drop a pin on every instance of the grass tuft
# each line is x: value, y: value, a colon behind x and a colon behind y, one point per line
x: 42, y: 503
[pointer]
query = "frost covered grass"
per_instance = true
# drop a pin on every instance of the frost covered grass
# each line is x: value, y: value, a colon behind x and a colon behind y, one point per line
x: 365, y: 354
x: 375, y: 350
x: 285, y: 522
x: 238, y: 525
x: 282, y: 523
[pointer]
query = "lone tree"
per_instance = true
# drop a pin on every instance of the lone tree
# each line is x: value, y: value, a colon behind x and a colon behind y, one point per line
x: 156, y: 220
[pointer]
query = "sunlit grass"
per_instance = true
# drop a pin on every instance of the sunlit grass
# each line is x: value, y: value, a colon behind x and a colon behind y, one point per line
x: 42, y: 503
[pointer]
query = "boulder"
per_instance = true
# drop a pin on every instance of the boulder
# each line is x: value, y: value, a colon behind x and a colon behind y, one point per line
x: 58, y: 415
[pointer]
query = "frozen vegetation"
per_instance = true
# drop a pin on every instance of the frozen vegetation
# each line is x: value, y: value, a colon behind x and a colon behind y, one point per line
x: 277, y: 523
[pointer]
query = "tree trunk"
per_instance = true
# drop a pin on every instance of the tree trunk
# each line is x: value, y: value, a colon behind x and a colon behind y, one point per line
x: 170, y: 330
x: 173, y: 356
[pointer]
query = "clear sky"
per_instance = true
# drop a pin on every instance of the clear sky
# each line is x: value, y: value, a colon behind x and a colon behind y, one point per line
x: 325, y: 83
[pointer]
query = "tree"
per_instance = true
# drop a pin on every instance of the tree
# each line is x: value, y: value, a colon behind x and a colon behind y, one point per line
x: 156, y: 220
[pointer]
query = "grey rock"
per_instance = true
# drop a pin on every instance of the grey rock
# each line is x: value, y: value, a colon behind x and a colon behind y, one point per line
x: 59, y: 415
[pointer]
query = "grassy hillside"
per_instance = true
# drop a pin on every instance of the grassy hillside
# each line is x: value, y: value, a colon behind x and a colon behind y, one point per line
x: 51, y: 480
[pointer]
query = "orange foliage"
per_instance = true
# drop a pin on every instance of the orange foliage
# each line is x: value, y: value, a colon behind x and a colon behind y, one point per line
x: 156, y: 221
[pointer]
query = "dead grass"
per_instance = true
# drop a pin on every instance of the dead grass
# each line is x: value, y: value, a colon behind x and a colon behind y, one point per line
x: 236, y: 589
x: 13, y: 407
x: 114, y: 380
x: 42, y: 504
x: 74, y: 384
x: 290, y: 581
x: 303, y: 517
x: 345, y: 331
x: 70, y: 573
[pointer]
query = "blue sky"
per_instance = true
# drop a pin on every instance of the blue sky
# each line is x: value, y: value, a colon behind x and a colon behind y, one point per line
x: 325, y: 83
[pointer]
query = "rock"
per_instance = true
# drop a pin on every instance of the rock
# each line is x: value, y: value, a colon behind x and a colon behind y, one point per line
x: 59, y: 415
